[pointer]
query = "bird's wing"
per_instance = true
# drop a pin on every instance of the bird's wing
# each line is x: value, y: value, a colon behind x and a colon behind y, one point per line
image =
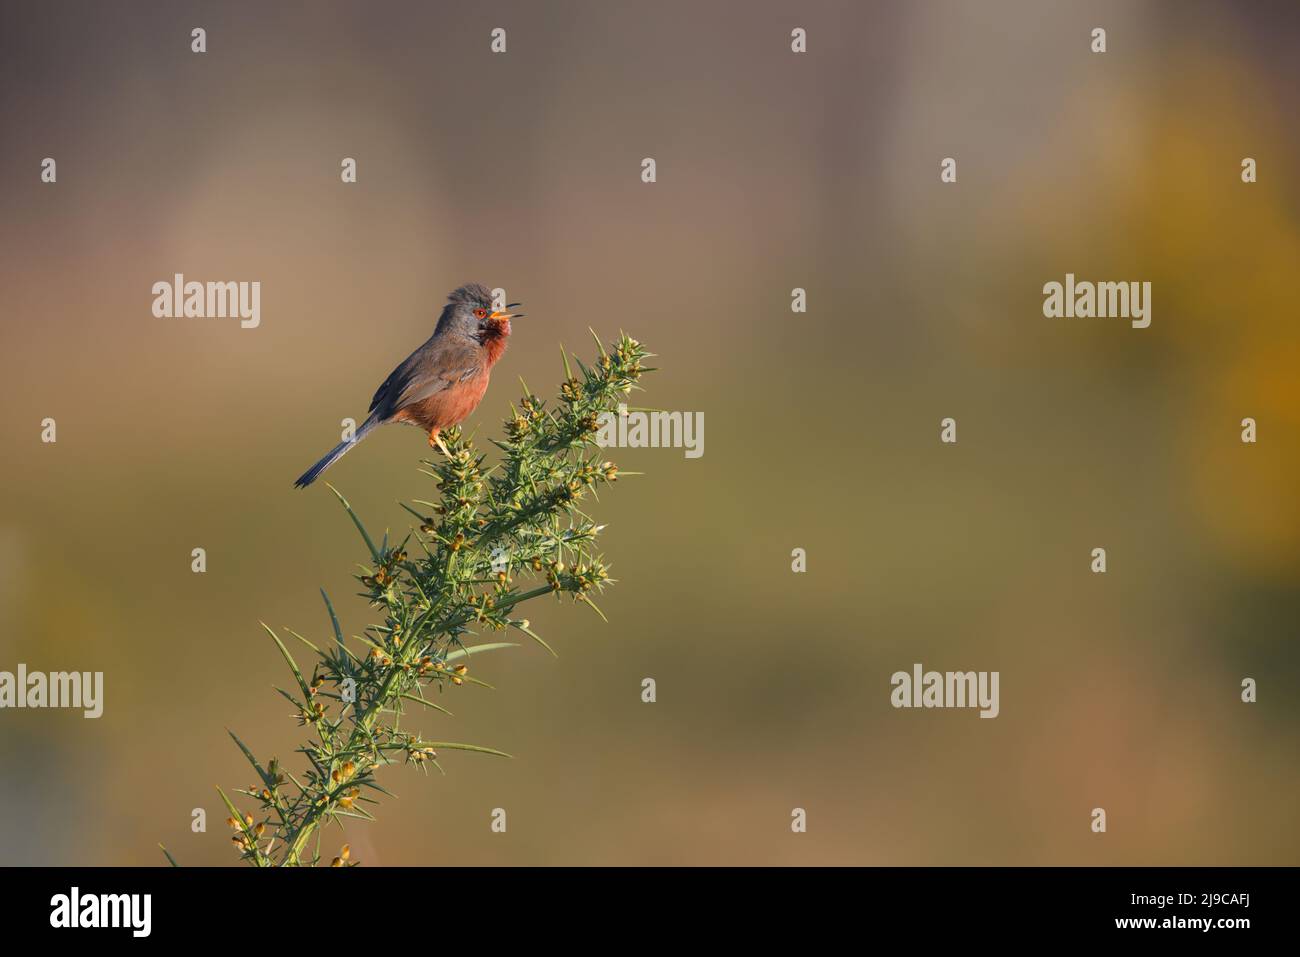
x: 430, y: 369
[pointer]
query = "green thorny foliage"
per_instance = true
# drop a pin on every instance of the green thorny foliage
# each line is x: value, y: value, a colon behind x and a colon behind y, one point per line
x: 439, y: 587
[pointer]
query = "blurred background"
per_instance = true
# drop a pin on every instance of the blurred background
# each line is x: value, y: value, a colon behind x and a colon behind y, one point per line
x: 775, y: 171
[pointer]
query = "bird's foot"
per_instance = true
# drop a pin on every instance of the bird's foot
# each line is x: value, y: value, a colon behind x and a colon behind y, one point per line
x: 435, y: 441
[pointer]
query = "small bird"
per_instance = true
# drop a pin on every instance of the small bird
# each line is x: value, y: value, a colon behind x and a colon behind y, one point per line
x: 443, y: 381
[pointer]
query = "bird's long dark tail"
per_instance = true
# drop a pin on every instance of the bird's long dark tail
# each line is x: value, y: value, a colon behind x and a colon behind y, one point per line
x: 334, y: 454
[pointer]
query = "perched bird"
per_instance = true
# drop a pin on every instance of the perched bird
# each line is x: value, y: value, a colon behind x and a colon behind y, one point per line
x: 441, y: 382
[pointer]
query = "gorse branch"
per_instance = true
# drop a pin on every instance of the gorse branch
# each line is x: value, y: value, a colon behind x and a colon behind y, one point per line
x: 453, y: 577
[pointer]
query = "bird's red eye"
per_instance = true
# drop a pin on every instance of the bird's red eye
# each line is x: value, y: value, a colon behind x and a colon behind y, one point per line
x: 480, y: 313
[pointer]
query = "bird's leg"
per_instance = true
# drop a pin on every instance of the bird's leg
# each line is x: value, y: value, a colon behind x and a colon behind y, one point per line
x: 435, y: 441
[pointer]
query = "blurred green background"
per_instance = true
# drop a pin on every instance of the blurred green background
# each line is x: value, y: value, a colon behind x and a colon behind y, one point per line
x: 775, y: 170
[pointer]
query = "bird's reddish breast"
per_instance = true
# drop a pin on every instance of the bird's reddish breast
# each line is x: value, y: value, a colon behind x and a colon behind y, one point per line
x: 453, y: 405
x: 494, y: 341
x: 449, y: 407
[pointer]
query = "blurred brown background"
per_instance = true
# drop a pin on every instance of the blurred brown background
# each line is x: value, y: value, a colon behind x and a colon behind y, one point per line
x: 775, y: 170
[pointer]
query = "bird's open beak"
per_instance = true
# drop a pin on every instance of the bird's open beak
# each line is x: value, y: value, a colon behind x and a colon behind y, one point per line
x: 503, y: 316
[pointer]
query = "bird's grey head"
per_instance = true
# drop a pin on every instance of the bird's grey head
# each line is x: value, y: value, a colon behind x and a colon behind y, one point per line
x: 469, y: 312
